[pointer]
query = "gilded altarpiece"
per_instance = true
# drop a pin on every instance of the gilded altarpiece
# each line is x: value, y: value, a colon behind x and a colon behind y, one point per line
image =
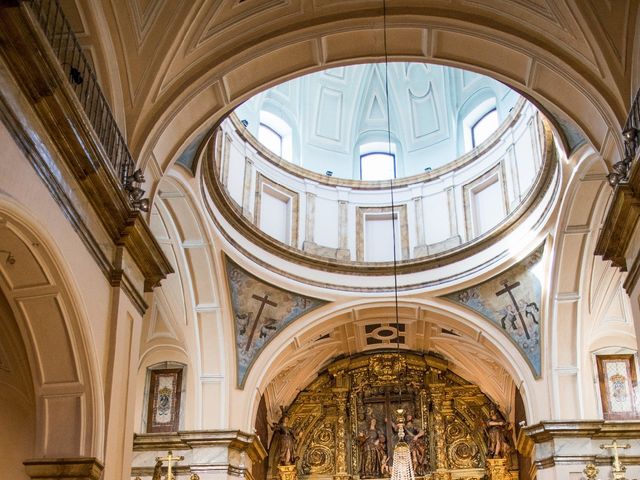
x: 344, y: 425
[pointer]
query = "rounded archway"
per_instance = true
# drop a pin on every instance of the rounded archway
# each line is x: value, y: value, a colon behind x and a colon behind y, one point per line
x: 547, y: 72
x: 17, y: 396
x: 474, y: 349
x: 67, y: 404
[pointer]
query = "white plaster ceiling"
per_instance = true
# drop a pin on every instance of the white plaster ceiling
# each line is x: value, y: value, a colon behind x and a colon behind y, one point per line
x: 333, y: 111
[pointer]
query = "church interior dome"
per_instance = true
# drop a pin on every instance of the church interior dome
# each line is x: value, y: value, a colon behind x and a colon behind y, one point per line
x: 305, y: 168
x: 337, y: 121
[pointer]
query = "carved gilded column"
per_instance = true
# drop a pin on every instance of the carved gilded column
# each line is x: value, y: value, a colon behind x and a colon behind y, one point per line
x: 437, y: 402
x: 341, y: 436
x: 424, y: 409
x: 287, y: 472
x: 353, y: 414
x: 497, y: 469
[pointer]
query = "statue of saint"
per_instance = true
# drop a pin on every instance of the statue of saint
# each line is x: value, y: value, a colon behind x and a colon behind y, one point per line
x: 287, y: 439
x: 417, y: 446
x: 370, y: 455
x: 497, y: 432
x: 157, y: 471
x: 385, y: 470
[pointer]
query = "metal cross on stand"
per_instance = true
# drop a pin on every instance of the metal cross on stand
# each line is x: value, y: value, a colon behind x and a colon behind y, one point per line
x: 618, y: 468
x: 169, y: 459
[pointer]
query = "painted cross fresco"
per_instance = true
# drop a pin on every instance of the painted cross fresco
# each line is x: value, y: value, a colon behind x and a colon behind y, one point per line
x: 260, y: 311
x: 511, y: 300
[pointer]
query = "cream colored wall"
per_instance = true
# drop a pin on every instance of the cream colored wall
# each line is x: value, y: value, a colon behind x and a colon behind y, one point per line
x: 77, y: 328
x: 186, y: 322
x: 589, y: 312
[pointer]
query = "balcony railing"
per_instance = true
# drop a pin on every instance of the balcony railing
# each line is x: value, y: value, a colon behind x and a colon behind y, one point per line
x: 82, y: 79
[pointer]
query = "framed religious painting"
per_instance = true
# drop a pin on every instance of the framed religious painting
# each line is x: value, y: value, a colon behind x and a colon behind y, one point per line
x: 165, y: 389
x: 617, y: 379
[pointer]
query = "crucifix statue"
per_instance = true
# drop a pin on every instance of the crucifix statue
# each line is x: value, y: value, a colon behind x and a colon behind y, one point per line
x: 618, y: 468
x: 169, y: 459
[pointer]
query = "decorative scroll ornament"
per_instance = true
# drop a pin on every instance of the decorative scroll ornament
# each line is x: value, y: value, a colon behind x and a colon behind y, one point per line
x: 387, y: 367
x: 591, y: 471
x: 319, y: 457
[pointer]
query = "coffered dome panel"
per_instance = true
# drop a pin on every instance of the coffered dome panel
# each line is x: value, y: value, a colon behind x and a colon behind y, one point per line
x: 333, y: 112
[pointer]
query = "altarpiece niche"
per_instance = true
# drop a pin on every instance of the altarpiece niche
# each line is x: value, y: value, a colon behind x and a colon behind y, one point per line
x: 343, y: 422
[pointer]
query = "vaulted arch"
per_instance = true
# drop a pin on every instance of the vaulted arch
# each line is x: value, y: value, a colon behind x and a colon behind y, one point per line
x: 53, y: 326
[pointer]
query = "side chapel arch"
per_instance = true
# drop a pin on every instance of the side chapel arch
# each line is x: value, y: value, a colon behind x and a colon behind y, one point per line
x: 296, y: 355
x: 188, y: 326
x: 53, y: 325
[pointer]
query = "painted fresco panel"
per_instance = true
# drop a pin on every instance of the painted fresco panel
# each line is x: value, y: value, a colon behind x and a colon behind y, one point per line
x: 260, y: 312
x: 512, y: 301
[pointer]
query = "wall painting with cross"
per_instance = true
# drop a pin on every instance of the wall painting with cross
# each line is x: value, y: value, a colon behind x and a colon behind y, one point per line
x: 512, y: 300
x: 260, y: 311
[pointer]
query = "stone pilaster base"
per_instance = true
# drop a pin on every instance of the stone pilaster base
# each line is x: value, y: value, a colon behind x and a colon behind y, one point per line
x: 77, y: 468
x: 342, y: 476
x: 497, y: 469
x: 287, y: 472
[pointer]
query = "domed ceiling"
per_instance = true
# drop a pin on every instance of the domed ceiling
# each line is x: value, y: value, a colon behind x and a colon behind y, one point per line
x: 330, y: 118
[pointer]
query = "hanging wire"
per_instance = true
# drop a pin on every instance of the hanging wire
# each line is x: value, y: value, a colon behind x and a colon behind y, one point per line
x: 393, y: 205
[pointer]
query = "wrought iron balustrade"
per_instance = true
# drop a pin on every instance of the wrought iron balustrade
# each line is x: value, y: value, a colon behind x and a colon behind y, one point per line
x: 82, y: 79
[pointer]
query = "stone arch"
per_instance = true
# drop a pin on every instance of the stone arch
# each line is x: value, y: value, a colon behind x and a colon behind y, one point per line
x: 299, y: 352
x: 190, y: 325
x: 543, y: 71
x: 52, y: 322
x: 17, y: 396
x: 581, y: 285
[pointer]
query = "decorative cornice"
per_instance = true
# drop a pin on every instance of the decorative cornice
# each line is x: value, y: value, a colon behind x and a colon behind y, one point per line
x: 619, y: 225
x: 235, y: 439
x: 67, y: 137
x: 548, y: 430
x: 88, y: 468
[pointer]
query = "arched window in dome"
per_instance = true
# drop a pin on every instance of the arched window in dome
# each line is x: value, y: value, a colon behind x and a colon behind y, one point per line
x: 480, y: 123
x: 275, y: 134
x: 484, y: 127
x: 377, y: 161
